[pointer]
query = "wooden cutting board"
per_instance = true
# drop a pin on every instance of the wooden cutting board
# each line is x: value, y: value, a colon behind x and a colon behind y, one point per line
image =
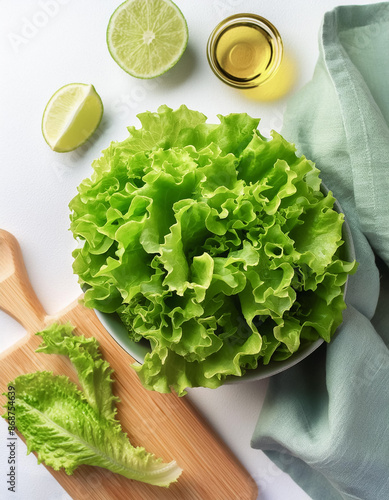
x: 164, y: 424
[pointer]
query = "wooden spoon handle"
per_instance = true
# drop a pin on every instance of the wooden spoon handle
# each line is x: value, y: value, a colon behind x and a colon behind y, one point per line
x: 17, y: 298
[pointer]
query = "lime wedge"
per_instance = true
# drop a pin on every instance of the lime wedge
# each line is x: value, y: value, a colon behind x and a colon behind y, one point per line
x: 71, y: 116
x: 147, y: 37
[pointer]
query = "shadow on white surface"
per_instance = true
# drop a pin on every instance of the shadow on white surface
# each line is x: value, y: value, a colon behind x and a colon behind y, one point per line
x: 182, y: 71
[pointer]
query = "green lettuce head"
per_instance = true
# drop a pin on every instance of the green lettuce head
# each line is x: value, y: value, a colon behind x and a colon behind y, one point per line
x: 211, y: 242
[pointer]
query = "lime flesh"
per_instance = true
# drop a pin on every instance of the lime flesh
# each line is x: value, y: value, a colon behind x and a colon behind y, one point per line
x: 71, y: 116
x: 147, y: 37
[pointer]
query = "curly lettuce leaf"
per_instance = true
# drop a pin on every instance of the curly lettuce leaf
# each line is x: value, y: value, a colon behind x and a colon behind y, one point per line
x: 212, y: 242
x: 93, y: 372
x: 68, y: 427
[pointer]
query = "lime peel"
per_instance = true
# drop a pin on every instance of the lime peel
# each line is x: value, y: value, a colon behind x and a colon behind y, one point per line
x: 147, y: 37
x: 71, y: 116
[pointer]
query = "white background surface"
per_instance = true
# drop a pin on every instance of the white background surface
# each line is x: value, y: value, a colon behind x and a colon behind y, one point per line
x: 42, y: 51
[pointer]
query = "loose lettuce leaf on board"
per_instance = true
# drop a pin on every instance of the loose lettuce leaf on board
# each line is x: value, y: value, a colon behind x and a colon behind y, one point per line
x: 68, y: 427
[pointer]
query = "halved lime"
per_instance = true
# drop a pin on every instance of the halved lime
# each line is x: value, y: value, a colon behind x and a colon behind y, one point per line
x: 71, y: 116
x: 147, y: 37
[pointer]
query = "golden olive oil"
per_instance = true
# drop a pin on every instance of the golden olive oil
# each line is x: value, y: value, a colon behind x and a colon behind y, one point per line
x: 245, y: 50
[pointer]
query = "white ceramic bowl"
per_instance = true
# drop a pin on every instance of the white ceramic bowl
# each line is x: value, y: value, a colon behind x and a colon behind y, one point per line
x: 138, y: 350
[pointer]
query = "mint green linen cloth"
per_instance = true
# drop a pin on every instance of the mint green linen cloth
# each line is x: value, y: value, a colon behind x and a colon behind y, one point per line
x: 326, y: 421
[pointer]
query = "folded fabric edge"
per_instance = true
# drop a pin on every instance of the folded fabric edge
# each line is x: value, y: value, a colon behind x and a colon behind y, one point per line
x: 314, y: 484
x: 353, y: 93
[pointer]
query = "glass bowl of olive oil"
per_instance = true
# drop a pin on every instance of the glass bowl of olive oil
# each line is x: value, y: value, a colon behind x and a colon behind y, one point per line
x: 245, y: 50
